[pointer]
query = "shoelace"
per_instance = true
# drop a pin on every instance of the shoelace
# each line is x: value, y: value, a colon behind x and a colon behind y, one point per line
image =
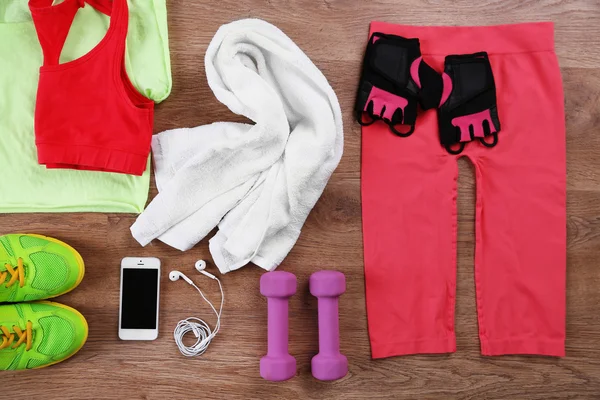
x: 24, y: 336
x: 17, y: 272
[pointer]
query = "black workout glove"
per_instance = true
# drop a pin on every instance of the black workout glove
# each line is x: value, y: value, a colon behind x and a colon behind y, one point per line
x: 468, y: 107
x: 394, y: 78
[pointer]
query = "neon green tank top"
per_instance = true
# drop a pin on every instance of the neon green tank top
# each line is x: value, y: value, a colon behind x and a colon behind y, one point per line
x: 26, y: 186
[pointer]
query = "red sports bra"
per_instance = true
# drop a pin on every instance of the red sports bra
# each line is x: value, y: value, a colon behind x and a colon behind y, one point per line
x: 88, y: 115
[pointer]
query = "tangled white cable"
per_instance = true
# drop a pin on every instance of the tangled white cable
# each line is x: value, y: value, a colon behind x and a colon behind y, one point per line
x: 204, y: 334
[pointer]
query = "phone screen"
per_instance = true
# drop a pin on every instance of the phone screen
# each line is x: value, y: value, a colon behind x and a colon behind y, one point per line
x: 139, y: 302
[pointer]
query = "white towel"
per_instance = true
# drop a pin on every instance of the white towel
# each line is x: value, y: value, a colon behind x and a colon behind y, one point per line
x: 257, y: 182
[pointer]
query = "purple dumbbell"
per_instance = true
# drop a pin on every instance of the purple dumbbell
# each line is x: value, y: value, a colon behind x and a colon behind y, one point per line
x: 329, y: 364
x: 278, y: 364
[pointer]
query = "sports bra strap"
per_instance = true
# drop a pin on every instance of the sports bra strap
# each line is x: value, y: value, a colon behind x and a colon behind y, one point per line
x: 104, y: 6
x: 52, y: 24
x: 120, y: 17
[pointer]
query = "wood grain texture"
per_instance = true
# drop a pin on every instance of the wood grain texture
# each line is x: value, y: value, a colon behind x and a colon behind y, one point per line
x: 333, y: 34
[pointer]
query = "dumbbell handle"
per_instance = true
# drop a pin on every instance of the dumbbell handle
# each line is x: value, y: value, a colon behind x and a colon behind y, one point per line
x: 329, y: 326
x: 277, y: 325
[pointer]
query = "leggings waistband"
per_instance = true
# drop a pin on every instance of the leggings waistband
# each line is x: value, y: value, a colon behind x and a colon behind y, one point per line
x: 496, y: 39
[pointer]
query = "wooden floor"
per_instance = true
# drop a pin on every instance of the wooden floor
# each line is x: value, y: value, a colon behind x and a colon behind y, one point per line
x: 333, y: 34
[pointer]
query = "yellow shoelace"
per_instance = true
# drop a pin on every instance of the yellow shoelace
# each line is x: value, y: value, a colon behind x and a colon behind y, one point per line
x: 15, y: 273
x: 24, y: 336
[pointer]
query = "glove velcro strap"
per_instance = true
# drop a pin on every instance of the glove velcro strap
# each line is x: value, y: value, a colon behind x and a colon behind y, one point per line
x: 391, y: 57
x: 471, y: 77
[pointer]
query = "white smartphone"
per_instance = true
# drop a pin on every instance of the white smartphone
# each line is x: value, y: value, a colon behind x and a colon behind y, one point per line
x: 140, y: 289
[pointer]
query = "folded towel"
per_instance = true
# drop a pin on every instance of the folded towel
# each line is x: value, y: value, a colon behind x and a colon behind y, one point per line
x: 257, y: 182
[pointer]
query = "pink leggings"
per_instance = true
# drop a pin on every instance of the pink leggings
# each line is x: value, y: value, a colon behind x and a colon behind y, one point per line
x: 409, y: 207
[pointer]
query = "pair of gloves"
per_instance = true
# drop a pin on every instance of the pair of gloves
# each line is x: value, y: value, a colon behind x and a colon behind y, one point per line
x: 395, y: 78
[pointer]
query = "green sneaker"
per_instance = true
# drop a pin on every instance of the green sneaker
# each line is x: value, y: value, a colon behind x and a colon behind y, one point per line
x: 35, y: 267
x: 39, y: 334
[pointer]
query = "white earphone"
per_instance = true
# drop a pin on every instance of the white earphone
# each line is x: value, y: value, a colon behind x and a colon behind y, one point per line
x: 201, y: 329
x: 200, y: 267
x: 175, y: 275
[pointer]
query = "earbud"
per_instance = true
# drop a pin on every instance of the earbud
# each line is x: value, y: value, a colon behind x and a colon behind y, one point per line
x: 201, y: 266
x: 175, y: 275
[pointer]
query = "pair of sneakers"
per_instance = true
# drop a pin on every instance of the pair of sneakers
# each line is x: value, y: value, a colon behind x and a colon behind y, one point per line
x: 34, y: 333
